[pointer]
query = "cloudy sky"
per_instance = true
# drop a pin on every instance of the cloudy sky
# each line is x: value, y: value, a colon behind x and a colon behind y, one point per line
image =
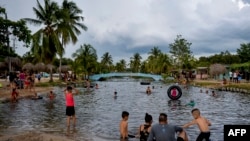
x: 124, y: 27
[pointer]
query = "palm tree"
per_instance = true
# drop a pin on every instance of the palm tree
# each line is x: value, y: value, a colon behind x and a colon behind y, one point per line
x: 121, y: 66
x: 107, y: 60
x: 69, y: 26
x: 154, y: 53
x: 45, y: 42
x: 87, y: 57
x: 135, y: 62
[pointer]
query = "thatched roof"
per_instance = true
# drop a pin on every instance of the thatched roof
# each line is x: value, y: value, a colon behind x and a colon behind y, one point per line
x: 15, y: 61
x: 65, y: 68
x: 28, y: 66
x: 50, y: 66
x: 3, y: 65
x: 40, y: 67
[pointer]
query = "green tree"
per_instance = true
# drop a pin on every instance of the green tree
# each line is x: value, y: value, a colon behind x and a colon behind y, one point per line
x: 135, y: 62
x: 244, y: 52
x: 107, y: 61
x: 87, y: 57
x: 69, y: 25
x: 180, y: 51
x: 16, y: 29
x: 121, y: 65
x: 45, y: 42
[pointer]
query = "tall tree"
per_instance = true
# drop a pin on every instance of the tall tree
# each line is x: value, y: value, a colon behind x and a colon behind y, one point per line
x: 135, y: 62
x: 107, y: 61
x: 87, y: 57
x: 180, y: 51
x: 244, y: 52
x: 16, y: 29
x: 121, y: 66
x: 45, y: 42
x: 69, y: 25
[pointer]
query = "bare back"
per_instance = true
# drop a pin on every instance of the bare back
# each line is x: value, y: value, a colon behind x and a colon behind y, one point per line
x: 203, y: 124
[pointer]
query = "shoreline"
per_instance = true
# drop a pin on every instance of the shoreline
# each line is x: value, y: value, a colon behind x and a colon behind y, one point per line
x: 33, y: 136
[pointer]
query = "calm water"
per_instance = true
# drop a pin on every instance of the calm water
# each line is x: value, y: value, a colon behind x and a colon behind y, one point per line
x: 98, y: 113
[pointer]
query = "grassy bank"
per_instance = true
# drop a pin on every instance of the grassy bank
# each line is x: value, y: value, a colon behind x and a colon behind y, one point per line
x: 218, y: 85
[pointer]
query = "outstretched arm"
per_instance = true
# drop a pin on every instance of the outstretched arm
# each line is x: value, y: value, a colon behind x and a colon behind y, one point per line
x: 189, y: 124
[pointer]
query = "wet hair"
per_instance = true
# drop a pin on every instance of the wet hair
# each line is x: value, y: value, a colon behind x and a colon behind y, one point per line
x: 163, y: 117
x: 125, y: 114
x: 69, y: 88
x: 148, y: 118
x: 195, y: 109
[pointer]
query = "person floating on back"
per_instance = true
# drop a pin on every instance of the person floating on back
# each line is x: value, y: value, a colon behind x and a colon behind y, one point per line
x: 145, y: 128
x: 124, y: 126
x: 202, y: 123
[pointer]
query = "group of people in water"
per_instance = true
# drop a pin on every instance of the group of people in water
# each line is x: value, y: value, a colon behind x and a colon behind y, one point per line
x: 163, y: 131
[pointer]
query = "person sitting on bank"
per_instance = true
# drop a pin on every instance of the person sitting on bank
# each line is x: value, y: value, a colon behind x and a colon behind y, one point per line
x: 148, y: 91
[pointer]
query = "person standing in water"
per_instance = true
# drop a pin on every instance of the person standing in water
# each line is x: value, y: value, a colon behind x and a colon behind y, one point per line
x: 145, y: 128
x: 202, y: 123
x: 124, y: 126
x: 70, y: 105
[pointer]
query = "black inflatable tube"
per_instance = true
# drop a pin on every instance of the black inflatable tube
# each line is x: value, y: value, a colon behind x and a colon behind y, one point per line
x: 178, y: 95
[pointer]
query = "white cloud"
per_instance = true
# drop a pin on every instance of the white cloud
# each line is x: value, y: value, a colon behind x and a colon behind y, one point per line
x: 124, y: 27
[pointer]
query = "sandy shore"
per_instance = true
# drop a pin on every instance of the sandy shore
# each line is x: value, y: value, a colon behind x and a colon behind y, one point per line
x: 33, y: 136
x: 5, y: 91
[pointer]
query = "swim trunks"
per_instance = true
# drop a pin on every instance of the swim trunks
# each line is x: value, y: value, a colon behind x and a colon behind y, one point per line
x: 180, y: 139
x: 203, y: 135
x: 70, y: 110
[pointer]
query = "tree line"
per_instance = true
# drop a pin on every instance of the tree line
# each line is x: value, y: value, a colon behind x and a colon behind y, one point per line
x: 61, y: 25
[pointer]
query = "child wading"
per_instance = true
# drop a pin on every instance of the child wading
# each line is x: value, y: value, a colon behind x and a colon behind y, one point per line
x: 70, y: 105
x: 124, y: 126
x: 202, y: 123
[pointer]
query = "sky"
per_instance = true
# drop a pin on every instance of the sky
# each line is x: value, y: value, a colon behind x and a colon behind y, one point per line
x: 126, y: 27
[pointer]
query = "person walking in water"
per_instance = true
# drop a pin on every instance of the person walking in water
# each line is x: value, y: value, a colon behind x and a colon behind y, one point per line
x: 70, y: 105
x: 202, y: 123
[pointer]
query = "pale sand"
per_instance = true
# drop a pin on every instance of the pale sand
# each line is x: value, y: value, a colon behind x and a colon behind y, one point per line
x: 5, y: 91
x: 34, y: 136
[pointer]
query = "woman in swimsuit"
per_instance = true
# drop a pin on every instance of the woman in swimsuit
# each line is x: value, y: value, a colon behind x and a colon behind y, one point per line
x: 145, y: 128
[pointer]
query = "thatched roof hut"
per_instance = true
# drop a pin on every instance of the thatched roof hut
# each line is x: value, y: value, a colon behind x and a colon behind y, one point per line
x: 65, y: 68
x: 40, y: 67
x: 28, y: 66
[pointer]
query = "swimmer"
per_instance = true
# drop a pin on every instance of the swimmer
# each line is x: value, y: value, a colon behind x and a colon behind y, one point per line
x: 148, y: 91
x: 200, y: 90
x: 191, y: 103
x: 51, y: 95
x: 96, y: 86
x: 115, y: 94
x: 213, y: 93
x: 206, y: 91
x: 14, y: 95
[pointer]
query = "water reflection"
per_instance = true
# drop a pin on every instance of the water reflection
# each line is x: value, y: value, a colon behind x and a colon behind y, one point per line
x: 98, y: 112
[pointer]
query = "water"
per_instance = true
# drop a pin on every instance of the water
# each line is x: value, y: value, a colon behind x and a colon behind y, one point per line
x: 98, y: 113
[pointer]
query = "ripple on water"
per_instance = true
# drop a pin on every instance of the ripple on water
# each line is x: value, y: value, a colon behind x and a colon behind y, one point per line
x: 99, y: 113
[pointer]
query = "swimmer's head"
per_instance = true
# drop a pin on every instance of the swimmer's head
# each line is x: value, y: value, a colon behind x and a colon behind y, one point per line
x: 125, y: 115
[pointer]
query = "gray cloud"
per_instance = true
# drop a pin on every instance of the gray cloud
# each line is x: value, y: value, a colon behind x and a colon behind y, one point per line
x: 124, y: 27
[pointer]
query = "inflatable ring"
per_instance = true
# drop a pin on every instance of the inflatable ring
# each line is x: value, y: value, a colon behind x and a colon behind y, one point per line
x: 174, y: 92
